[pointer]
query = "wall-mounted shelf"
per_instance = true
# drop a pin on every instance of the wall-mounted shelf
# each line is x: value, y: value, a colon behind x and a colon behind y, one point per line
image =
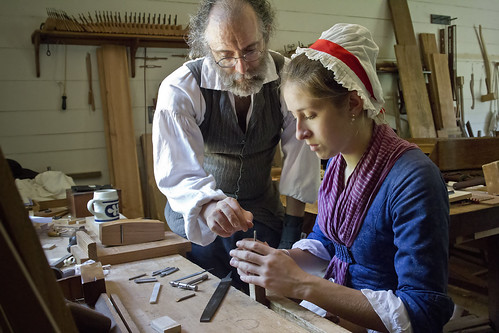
x: 86, y: 38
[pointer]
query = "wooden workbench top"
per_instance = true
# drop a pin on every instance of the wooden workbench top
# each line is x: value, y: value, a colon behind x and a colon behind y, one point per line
x: 237, y: 313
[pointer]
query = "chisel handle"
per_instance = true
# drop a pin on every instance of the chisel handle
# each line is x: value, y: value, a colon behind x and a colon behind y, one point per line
x: 64, y: 97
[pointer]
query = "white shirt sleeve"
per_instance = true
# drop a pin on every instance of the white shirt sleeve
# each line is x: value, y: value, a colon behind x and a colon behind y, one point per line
x: 178, y: 153
x: 390, y: 309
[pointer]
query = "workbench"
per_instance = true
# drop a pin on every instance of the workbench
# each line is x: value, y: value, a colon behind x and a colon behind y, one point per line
x: 238, y: 311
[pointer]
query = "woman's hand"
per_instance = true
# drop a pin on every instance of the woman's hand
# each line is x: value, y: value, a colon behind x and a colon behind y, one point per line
x: 259, y: 264
x: 225, y: 217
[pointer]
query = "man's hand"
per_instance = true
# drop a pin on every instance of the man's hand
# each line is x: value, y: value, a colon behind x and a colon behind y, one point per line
x: 225, y: 217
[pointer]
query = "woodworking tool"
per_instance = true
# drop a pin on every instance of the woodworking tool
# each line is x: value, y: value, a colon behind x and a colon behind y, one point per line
x: 138, y: 276
x: 169, y: 271
x: 145, y: 280
x: 64, y: 97
x: 159, y: 271
x: 191, y: 275
x: 198, y: 280
x: 91, y: 100
x: 184, y: 285
x: 216, y: 298
x: 186, y: 297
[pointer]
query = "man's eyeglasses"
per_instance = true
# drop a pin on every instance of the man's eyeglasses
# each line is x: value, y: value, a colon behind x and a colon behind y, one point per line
x: 229, y: 62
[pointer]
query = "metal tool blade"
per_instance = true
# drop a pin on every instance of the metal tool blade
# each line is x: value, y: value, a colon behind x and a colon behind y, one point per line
x: 216, y: 298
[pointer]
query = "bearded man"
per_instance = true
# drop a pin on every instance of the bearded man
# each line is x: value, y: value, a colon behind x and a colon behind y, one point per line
x: 218, y: 122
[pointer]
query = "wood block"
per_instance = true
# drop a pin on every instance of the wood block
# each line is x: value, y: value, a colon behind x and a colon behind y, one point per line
x: 131, y: 231
x: 491, y: 175
x: 92, y: 282
x: 87, y: 244
x: 165, y: 325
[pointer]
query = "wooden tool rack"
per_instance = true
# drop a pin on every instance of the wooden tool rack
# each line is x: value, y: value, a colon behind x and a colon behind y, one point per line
x: 133, y: 42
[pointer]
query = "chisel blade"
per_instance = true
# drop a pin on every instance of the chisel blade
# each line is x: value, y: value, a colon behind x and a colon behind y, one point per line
x: 216, y: 298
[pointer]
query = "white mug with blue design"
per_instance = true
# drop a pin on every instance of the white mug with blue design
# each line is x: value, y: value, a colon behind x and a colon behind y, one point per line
x: 105, y: 205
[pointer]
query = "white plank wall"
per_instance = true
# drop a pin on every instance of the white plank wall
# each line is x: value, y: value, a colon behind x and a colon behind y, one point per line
x: 38, y: 134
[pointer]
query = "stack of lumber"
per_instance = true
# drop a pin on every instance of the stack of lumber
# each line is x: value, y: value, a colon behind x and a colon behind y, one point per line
x: 430, y: 113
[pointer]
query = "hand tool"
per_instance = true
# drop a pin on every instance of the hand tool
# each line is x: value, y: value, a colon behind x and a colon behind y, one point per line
x: 145, y: 280
x: 186, y: 297
x: 64, y: 97
x: 91, y: 100
x: 159, y: 271
x: 168, y: 271
x: 184, y: 285
x: 197, y: 280
x: 138, y: 276
x: 191, y: 275
x: 216, y: 298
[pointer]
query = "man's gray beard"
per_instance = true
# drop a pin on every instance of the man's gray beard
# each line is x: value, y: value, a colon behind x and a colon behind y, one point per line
x: 251, y: 84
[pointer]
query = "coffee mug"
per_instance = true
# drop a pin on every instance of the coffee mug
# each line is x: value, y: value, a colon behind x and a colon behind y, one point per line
x: 105, y: 205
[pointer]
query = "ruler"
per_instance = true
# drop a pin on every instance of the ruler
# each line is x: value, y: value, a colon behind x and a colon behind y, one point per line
x: 216, y: 298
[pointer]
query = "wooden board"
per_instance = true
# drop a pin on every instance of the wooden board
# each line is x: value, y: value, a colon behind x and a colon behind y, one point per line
x: 414, y: 91
x: 117, y: 107
x: 155, y: 200
x: 428, y: 45
x: 171, y: 244
x: 237, y: 313
x: 444, y: 102
x: 402, y: 22
x: 302, y: 316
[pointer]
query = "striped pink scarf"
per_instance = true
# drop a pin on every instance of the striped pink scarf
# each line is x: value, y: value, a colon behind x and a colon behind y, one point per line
x: 342, y: 208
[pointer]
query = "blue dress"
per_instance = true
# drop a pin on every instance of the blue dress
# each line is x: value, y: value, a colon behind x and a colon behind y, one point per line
x: 403, y: 242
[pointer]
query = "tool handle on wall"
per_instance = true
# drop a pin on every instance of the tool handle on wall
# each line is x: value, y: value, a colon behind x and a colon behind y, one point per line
x: 64, y: 97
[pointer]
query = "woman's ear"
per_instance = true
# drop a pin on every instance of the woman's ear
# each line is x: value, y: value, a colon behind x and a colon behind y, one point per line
x: 356, y: 104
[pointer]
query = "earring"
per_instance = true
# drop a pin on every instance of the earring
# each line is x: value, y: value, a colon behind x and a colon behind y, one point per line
x: 353, y: 118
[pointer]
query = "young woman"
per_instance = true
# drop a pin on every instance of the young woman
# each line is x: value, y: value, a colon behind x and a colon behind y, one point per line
x: 382, y: 226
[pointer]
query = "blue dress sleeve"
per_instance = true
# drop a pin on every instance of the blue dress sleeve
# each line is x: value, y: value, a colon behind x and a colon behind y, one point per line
x: 419, y: 207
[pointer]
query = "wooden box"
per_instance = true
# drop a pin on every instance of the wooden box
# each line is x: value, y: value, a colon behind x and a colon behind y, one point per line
x: 77, y: 202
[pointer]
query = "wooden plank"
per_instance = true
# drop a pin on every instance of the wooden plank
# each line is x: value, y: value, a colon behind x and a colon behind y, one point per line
x: 124, y: 314
x: 402, y: 22
x: 444, y: 102
x: 113, y: 66
x: 414, y: 91
x: 36, y: 290
x: 428, y: 45
x: 302, y: 316
x: 155, y: 200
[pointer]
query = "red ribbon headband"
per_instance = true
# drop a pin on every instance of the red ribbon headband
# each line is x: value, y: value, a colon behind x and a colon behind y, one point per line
x: 349, y: 59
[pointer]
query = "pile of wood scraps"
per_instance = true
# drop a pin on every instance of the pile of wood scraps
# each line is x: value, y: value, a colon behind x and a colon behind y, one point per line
x: 112, y: 22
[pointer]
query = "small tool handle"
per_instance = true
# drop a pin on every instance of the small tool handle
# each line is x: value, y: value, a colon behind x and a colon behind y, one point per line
x: 64, y: 97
